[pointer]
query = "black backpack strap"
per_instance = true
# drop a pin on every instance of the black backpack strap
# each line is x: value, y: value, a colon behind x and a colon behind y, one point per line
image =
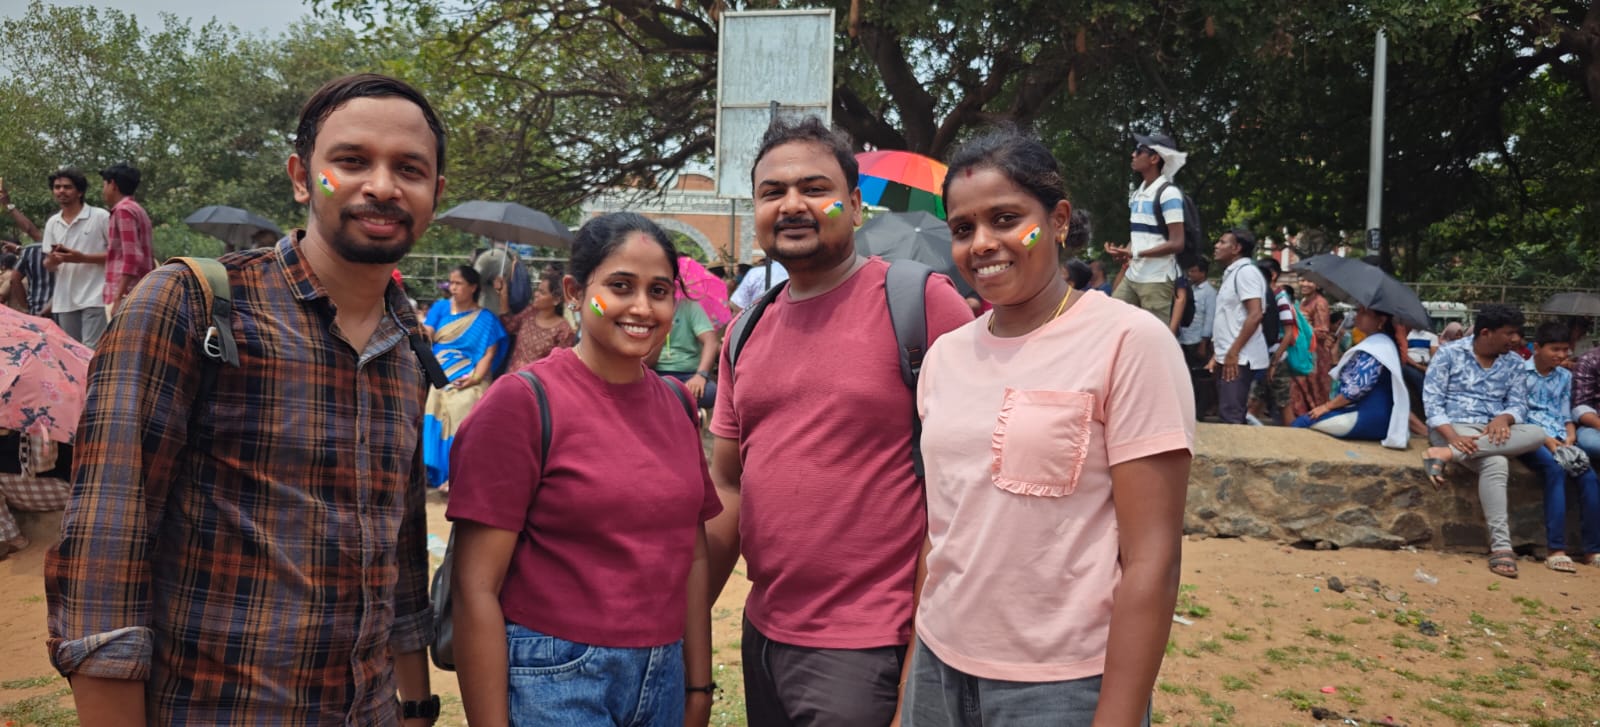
x: 544, y: 413
x: 682, y: 393
x: 906, y: 286
x: 739, y: 331
x: 430, y: 365
x: 1161, y: 217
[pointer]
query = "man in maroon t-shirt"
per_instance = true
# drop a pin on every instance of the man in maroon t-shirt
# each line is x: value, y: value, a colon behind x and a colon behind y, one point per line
x: 813, y: 453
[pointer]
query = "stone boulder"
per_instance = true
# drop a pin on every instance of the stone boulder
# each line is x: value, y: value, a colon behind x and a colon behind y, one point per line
x: 1297, y: 485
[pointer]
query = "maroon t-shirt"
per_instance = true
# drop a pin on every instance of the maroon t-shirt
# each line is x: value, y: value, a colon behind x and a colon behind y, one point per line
x: 831, y: 513
x: 608, y: 531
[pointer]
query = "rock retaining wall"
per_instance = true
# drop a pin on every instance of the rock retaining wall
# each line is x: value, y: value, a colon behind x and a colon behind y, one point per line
x: 1298, y: 485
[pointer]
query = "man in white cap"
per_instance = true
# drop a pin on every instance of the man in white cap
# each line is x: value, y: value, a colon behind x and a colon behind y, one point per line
x: 1155, y: 236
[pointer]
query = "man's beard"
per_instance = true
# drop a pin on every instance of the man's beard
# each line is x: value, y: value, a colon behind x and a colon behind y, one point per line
x: 388, y: 252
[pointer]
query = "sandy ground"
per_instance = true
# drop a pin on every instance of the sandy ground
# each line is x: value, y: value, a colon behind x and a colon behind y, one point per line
x: 1271, y: 641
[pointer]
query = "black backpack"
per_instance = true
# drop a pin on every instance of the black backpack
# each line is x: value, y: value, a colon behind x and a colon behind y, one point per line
x: 905, y: 288
x: 1194, y: 234
x: 1188, y: 307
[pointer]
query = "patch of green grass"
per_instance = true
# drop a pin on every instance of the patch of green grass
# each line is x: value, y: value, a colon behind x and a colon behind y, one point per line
x: 1332, y: 638
x: 1453, y: 707
x: 30, y: 682
x: 1345, y: 605
x: 1301, y: 701
x: 1402, y: 641
x: 1170, y: 688
x: 1289, y: 656
x: 44, y: 710
x: 1407, y: 617
x: 1210, y: 646
x: 1531, y: 606
x: 35, y: 598
x: 1267, y: 602
x: 1187, y: 605
x: 1558, y: 685
x: 1238, y: 636
x: 1158, y: 717
x: 1221, y: 712
x: 1232, y: 683
x: 1361, y: 620
x: 1352, y: 696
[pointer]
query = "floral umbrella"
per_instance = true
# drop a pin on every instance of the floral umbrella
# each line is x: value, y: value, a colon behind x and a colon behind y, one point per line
x: 44, y: 376
x: 706, y: 288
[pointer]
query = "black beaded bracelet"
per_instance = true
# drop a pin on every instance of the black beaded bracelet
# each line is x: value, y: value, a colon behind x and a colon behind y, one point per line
x: 707, y: 689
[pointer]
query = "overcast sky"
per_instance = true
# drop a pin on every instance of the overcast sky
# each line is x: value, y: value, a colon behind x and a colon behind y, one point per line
x: 268, y: 17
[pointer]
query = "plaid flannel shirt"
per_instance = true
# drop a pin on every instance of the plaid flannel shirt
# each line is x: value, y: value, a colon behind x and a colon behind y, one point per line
x: 128, y: 250
x: 260, y: 559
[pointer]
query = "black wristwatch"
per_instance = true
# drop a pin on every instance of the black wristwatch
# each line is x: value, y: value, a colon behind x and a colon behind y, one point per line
x: 703, y: 374
x: 707, y: 689
x: 424, y: 709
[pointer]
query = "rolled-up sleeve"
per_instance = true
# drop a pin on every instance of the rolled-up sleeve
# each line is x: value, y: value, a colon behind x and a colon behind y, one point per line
x: 413, y: 622
x: 98, y: 578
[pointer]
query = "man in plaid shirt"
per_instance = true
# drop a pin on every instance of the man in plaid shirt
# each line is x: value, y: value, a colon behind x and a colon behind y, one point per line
x: 128, y: 252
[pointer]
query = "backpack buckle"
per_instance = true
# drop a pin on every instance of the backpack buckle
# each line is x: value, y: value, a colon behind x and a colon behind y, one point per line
x: 213, y: 343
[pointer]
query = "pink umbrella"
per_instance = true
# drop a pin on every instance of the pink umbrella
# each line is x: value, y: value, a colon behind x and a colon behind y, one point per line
x: 706, y: 288
x: 44, y: 376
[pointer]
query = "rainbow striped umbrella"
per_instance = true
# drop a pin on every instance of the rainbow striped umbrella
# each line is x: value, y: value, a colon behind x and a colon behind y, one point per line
x: 902, y: 181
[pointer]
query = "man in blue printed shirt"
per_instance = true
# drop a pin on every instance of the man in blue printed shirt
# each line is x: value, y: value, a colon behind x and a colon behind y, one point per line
x: 1550, y: 408
x: 1476, y: 398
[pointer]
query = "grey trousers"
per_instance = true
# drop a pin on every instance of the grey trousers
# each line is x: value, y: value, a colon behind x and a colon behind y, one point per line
x: 1494, y: 469
x: 797, y: 686
x: 939, y: 696
x: 85, y: 326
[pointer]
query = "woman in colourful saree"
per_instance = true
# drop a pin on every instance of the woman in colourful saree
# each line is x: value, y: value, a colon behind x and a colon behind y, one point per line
x: 468, y: 341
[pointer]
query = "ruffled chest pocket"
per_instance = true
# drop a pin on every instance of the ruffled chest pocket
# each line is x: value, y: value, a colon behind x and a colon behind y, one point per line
x: 1041, y: 440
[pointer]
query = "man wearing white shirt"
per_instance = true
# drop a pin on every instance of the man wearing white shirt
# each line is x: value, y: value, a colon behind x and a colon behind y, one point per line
x: 74, y: 243
x: 1241, y: 348
x: 757, y: 281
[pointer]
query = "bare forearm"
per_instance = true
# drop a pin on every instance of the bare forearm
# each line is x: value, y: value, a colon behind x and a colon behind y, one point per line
x: 722, y: 543
x: 697, y: 624
x: 26, y: 225
x: 710, y: 348
x: 411, y: 675
x: 1590, y: 420
x: 1141, y: 621
x: 110, y: 702
x: 481, y: 661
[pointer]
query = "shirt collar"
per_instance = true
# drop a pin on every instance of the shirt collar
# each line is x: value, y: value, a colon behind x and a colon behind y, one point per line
x: 303, y: 281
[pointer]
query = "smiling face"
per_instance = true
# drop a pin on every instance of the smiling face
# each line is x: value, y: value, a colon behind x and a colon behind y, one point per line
x: 381, y: 161
x: 991, y: 221
x: 796, y: 184
x: 634, y: 289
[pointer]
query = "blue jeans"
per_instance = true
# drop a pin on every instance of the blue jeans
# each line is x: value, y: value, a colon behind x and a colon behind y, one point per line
x: 1555, y: 480
x: 1589, y: 442
x: 558, y: 682
x: 939, y: 696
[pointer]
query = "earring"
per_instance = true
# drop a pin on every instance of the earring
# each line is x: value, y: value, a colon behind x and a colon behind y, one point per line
x: 1061, y: 239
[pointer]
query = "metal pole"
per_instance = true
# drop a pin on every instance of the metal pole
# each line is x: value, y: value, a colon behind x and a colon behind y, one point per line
x: 1380, y: 79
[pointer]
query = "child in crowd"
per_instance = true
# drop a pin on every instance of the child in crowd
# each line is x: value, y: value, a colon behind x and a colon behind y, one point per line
x: 1558, y: 462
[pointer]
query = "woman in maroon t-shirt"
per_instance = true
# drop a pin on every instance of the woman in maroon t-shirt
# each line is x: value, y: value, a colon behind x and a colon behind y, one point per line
x: 580, y: 580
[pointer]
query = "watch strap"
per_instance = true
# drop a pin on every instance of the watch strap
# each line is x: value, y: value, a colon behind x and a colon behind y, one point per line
x: 420, y: 709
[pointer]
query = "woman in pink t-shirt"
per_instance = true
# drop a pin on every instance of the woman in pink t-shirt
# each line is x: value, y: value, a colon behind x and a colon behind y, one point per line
x: 580, y: 583
x: 1057, y: 432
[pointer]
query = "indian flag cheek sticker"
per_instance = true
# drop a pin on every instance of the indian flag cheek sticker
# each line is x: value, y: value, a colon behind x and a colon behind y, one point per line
x: 328, y: 183
x: 598, y: 306
x: 1031, y: 236
x: 834, y: 209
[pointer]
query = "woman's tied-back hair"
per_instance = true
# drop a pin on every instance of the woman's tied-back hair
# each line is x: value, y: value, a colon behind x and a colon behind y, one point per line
x: 1023, y: 159
x: 810, y: 129
x: 601, y: 236
x: 470, y: 275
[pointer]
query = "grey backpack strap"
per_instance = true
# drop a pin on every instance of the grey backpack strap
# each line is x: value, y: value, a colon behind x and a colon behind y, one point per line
x: 905, y: 286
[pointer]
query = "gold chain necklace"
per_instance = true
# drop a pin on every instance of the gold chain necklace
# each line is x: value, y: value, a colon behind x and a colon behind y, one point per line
x: 1060, y: 307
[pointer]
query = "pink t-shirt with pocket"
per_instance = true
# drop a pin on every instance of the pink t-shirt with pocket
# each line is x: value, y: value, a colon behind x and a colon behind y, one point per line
x: 607, y: 534
x: 830, y: 515
x: 1019, y: 436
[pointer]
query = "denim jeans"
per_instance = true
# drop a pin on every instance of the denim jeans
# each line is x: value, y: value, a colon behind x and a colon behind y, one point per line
x: 1589, y: 442
x: 558, y: 682
x: 939, y: 696
x: 1555, y: 480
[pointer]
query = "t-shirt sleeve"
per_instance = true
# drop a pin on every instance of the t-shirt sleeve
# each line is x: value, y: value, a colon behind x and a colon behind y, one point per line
x: 699, y: 322
x: 1250, y: 284
x: 495, y: 463
x: 1172, y: 204
x: 946, y: 310
x: 724, y: 417
x: 1150, y: 405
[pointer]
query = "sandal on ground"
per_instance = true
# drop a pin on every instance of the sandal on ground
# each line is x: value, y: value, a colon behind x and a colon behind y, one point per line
x: 1561, y: 564
x: 1435, y: 471
x: 1589, y: 559
x: 1503, y: 563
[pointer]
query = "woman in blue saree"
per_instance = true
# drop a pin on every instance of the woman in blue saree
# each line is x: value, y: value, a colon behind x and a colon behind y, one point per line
x: 469, y: 343
x: 1372, y: 402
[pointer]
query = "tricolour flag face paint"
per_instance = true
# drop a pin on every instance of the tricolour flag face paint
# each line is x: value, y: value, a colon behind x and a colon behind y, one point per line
x: 598, y: 306
x: 1031, y: 236
x: 834, y: 209
x: 328, y: 183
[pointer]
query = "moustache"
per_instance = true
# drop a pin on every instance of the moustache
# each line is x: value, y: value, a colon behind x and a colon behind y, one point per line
x: 379, y: 209
x: 795, y: 222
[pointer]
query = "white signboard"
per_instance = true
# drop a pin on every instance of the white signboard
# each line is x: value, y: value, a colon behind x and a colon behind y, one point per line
x: 766, y: 57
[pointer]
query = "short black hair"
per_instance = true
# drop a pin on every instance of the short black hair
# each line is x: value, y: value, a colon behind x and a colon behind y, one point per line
x: 124, y: 175
x: 1197, y: 263
x: 71, y: 175
x: 601, y: 236
x: 1551, y: 332
x: 1021, y: 158
x: 8, y: 261
x: 1269, y: 267
x: 810, y: 129
x: 1078, y: 274
x: 1494, y: 316
x: 341, y: 91
x: 1246, y: 240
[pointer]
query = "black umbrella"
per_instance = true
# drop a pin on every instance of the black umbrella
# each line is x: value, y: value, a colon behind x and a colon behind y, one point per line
x: 232, y: 225
x: 1586, y: 305
x: 507, y: 221
x: 1359, y: 283
x: 913, y: 236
